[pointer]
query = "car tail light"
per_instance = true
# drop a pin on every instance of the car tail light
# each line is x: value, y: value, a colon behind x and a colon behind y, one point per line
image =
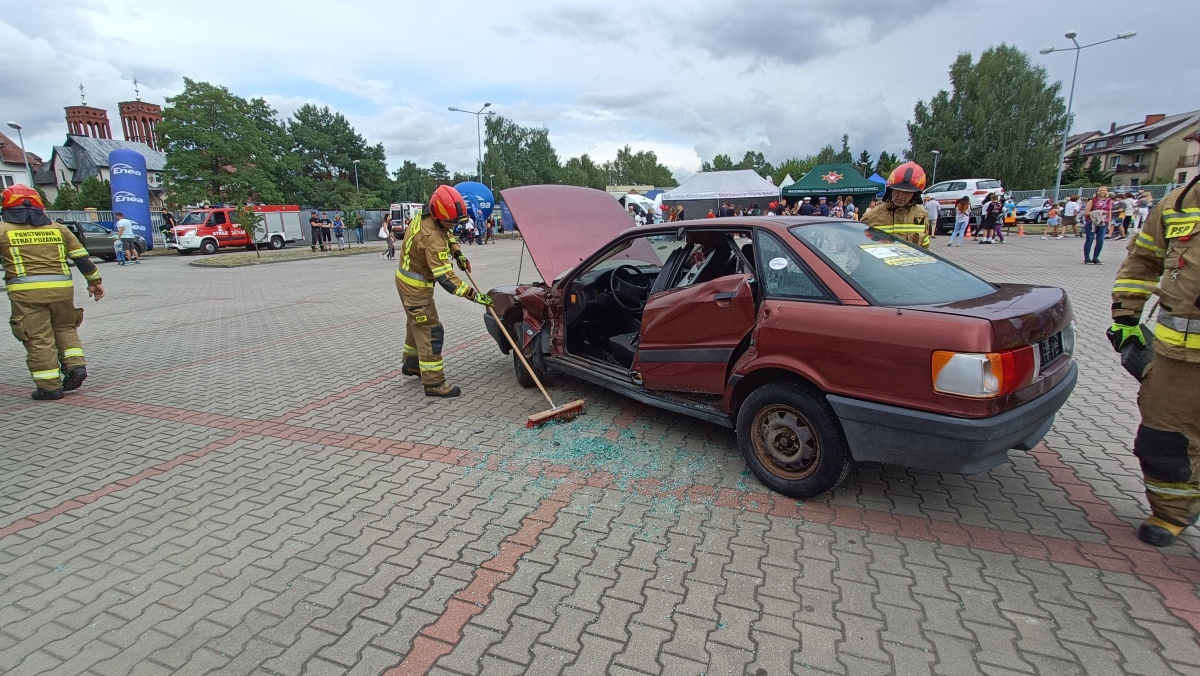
x: 984, y: 375
x: 980, y: 192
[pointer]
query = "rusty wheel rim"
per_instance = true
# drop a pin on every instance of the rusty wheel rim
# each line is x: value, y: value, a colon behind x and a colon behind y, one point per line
x: 785, y: 442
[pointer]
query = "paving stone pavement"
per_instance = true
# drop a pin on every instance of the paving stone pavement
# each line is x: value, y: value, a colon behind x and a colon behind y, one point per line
x: 247, y: 485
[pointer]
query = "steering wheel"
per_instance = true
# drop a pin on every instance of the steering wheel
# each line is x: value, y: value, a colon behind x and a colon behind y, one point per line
x: 630, y: 287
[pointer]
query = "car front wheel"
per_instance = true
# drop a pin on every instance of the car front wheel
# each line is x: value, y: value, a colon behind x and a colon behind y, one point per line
x: 792, y: 440
x: 208, y: 247
x: 537, y: 361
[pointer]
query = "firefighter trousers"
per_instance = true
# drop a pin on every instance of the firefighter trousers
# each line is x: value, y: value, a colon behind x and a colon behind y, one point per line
x: 47, y: 327
x: 424, y: 335
x: 1168, y: 440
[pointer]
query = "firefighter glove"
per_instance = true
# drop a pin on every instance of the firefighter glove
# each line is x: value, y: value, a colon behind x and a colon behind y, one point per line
x: 483, y: 299
x: 463, y: 263
x: 1118, y: 334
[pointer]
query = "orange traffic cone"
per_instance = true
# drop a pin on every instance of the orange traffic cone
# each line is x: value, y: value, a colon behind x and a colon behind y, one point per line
x: 969, y: 232
x: 1021, y: 229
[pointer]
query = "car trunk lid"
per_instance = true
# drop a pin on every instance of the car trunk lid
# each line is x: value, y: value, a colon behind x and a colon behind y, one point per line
x: 563, y: 224
x: 1019, y: 314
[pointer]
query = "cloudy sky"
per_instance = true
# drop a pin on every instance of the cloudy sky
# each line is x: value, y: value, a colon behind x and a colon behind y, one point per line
x: 687, y: 79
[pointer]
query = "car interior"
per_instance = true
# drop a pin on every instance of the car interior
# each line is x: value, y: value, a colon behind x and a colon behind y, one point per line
x: 603, y: 309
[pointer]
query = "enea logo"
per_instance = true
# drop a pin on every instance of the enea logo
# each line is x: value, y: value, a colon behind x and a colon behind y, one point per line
x: 122, y: 168
x: 126, y: 196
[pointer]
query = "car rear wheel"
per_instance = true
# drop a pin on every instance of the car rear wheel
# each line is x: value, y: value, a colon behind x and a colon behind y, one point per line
x: 184, y: 252
x: 208, y: 247
x: 108, y: 257
x: 276, y: 242
x: 792, y: 440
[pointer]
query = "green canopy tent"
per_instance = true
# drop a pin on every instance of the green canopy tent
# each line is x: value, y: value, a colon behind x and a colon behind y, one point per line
x: 833, y: 181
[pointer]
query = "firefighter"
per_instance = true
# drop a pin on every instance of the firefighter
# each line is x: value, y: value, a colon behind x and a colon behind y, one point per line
x: 901, y: 213
x: 428, y: 248
x: 40, y: 290
x: 1164, y: 259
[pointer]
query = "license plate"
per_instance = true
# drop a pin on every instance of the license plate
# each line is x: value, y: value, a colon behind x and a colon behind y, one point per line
x: 1050, y: 349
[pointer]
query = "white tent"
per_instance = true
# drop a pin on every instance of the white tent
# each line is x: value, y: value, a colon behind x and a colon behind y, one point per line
x: 710, y: 189
x: 787, y: 180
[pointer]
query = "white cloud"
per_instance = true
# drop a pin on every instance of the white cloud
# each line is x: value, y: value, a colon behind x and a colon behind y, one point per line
x: 687, y: 79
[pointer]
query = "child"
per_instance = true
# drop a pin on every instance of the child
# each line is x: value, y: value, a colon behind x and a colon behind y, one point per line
x: 119, y: 249
x: 1052, y: 223
x: 339, y: 232
x: 962, y: 218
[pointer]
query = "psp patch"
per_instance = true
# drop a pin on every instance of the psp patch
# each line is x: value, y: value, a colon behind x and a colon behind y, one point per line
x: 32, y: 237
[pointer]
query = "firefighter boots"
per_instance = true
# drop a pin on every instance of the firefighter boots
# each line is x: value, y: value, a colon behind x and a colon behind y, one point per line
x: 73, y: 378
x: 51, y: 395
x: 445, y: 389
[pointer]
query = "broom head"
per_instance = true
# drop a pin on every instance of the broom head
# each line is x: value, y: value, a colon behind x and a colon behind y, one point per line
x: 563, y: 413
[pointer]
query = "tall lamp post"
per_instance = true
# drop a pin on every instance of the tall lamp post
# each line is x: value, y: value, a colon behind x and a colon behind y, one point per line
x: 356, y: 177
x: 478, y: 132
x: 936, y: 154
x: 1062, y: 153
x: 25, y: 155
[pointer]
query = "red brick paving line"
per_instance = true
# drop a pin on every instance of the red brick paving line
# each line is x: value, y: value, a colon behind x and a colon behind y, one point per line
x: 1179, y: 597
x: 355, y: 389
x: 441, y: 636
x: 628, y: 414
x: 128, y: 482
x: 1174, y: 576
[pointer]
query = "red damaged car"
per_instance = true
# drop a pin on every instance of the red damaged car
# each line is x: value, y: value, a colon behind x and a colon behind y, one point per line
x: 820, y: 341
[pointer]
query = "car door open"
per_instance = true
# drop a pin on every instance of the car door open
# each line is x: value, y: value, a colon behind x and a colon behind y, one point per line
x: 689, y: 334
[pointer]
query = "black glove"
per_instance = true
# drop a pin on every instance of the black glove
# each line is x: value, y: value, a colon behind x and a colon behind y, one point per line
x: 1136, y: 353
x: 1119, y: 333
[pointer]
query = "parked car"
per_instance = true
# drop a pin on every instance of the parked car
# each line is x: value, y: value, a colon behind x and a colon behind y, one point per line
x: 820, y: 341
x: 99, y: 240
x: 1033, y: 209
x: 947, y: 193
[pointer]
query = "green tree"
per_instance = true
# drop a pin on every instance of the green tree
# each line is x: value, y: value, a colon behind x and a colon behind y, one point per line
x: 640, y: 168
x: 844, y: 155
x: 864, y: 165
x: 326, y: 148
x: 413, y: 183
x: 439, y: 174
x: 1095, y: 174
x: 221, y: 147
x: 1000, y: 120
x: 1074, y: 169
x: 886, y: 163
x: 519, y: 155
x: 584, y: 171
x: 67, y: 198
x: 719, y: 163
x: 94, y: 194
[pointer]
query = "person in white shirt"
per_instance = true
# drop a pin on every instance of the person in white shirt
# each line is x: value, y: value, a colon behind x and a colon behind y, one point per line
x: 128, y: 237
x: 1071, y: 214
x: 935, y: 209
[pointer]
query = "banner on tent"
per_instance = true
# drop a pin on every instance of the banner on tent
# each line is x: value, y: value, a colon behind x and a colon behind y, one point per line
x: 720, y: 195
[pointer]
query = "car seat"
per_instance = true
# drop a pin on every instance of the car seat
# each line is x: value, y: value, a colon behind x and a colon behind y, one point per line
x: 624, y: 347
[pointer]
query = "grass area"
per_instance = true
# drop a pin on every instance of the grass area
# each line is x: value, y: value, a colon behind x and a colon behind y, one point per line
x: 237, y: 260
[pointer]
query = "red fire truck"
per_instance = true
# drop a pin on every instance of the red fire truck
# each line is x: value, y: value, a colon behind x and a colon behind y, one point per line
x: 208, y: 229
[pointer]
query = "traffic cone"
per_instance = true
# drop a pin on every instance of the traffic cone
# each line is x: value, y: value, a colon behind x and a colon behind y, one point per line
x: 1021, y: 229
x: 969, y: 232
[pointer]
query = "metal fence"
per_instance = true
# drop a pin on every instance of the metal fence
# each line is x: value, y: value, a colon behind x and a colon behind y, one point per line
x: 105, y: 218
x: 1157, y: 191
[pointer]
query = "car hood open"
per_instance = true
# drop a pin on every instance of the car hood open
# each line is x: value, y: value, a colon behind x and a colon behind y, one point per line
x: 564, y: 224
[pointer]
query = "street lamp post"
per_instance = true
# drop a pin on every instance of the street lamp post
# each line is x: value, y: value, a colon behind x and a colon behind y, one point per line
x: 24, y: 155
x: 356, y: 177
x: 1062, y: 153
x: 936, y: 154
x: 478, y: 133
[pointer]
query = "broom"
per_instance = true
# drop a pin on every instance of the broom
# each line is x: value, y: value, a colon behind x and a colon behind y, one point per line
x: 568, y: 411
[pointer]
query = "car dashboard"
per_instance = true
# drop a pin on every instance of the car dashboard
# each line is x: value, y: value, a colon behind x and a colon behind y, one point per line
x: 590, y: 297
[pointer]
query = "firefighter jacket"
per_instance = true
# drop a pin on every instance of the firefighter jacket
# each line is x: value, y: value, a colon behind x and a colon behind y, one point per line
x: 910, y: 222
x: 1164, y: 260
x: 428, y: 254
x: 35, y: 261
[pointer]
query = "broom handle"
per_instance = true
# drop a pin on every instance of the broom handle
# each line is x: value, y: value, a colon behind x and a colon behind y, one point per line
x: 516, y: 348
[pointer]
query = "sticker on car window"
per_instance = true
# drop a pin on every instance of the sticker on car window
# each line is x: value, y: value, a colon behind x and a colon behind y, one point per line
x: 897, y: 255
x: 778, y: 263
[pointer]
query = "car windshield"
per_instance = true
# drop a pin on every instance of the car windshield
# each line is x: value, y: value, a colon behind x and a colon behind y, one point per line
x: 194, y: 218
x: 988, y: 185
x: 889, y: 271
x: 641, y: 252
x: 1031, y: 202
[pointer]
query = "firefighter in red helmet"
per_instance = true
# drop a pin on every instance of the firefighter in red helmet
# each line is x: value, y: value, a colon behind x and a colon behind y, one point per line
x: 429, y: 247
x: 41, y: 292
x: 901, y: 213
